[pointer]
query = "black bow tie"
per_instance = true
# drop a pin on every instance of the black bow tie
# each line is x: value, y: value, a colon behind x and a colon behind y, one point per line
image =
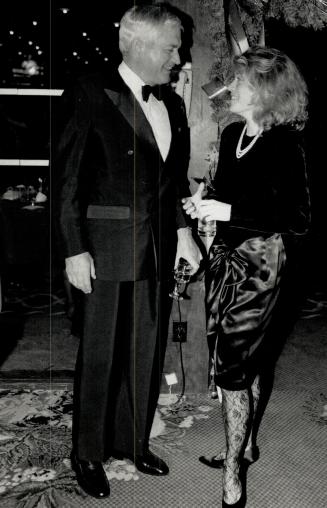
x: 155, y: 90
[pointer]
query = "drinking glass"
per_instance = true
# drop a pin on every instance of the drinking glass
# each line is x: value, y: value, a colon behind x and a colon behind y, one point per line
x: 182, y: 276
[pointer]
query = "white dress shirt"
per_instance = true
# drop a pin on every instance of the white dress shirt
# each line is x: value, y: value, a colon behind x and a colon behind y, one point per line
x: 154, y: 110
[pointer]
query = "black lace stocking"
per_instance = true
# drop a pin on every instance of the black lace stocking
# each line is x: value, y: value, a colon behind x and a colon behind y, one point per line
x: 255, y: 397
x: 236, y: 415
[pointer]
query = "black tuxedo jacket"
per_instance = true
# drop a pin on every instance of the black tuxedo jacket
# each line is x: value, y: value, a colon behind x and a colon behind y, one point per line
x: 114, y: 195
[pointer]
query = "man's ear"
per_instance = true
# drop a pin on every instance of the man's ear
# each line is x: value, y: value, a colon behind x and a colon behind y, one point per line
x: 138, y: 46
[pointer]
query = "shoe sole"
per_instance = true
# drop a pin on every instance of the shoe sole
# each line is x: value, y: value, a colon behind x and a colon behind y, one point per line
x: 219, y: 464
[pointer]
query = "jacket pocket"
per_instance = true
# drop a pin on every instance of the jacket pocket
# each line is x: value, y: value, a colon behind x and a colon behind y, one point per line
x: 108, y: 212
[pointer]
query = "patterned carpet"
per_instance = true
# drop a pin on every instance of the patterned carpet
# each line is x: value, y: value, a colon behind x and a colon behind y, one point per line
x: 35, y: 446
x: 22, y: 300
x: 35, y: 432
x: 40, y: 319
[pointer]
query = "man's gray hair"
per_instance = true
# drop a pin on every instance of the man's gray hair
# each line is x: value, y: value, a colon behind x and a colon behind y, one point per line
x: 140, y: 20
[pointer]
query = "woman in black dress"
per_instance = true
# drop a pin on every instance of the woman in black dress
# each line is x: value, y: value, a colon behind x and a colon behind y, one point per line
x: 261, y: 203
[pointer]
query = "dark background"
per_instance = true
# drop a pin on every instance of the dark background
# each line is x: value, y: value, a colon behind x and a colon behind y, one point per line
x: 25, y: 130
x: 59, y: 35
x: 56, y: 43
x: 307, y: 48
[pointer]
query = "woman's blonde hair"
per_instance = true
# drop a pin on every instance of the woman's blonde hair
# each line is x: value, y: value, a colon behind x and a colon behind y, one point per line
x: 280, y: 90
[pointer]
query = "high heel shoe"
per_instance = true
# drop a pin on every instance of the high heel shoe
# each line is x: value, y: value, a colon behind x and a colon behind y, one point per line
x: 241, y: 502
x: 219, y: 463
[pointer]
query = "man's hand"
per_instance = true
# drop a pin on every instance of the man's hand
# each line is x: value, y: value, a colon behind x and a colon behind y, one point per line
x: 188, y: 249
x: 191, y: 204
x: 80, y: 269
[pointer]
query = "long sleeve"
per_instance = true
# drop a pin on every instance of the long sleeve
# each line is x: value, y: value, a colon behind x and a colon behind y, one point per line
x: 267, y: 188
x: 182, y: 140
x: 69, y: 180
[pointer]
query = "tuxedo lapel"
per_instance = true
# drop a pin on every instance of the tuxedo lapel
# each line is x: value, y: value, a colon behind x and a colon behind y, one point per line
x: 175, y: 128
x: 131, y: 110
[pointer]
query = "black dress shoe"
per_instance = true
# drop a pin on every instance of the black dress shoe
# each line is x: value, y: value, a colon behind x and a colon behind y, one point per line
x: 91, y: 477
x: 149, y: 463
x: 212, y: 462
x: 219, y: 463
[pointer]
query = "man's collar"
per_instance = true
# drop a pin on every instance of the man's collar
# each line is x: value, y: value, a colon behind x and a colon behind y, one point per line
x: 132, y: 80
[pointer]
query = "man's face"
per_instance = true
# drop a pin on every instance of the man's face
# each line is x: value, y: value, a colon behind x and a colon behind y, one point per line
x: 160, y: 54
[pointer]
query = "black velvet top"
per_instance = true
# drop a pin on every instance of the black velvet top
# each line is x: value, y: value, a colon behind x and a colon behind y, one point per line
x: 267, y: 187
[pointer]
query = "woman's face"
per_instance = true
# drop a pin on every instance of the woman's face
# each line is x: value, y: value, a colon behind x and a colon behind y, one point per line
x: 242, y: 97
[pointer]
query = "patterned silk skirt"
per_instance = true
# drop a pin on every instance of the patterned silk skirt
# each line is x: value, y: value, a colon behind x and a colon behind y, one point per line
x: 242, y: 288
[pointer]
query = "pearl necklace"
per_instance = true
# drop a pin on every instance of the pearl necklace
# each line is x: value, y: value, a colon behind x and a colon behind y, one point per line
x: 240, y: 152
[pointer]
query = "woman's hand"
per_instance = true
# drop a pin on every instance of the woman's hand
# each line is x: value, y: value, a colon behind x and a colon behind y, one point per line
x: 206, y: 209
x: 190, y: 204
x: 211, y: 209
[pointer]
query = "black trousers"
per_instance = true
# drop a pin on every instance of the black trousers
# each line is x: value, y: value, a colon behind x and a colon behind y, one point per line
x: 119, y: 367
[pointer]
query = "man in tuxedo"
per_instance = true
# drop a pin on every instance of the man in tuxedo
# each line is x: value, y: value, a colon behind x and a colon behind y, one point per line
x: 123, y: 159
